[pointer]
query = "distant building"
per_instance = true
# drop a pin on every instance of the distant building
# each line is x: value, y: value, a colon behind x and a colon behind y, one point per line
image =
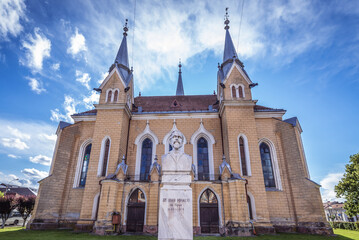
x: 17, y: 190
x: 334, y: 211
x: 249, y: 162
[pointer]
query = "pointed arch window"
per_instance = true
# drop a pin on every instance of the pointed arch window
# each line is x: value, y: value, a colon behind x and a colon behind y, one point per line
x: 234, y: 92
x: 109, y: 96
x: 240, y: 91
x: 250, y: 210
x: 105, y: 158
x: 85, y: 163
x: 202, y: 159
x: 115, y: 96
x: 243, y: 157
x: 146, y: 159
x: 267, y: 165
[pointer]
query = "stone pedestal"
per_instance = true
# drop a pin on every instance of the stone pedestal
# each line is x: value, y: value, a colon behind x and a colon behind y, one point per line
x: 175, y: 213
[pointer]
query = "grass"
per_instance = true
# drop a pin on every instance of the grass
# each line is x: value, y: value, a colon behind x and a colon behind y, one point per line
x: 18, y: 233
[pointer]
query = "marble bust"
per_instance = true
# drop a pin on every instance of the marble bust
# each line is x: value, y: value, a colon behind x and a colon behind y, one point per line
x: 176, y: 160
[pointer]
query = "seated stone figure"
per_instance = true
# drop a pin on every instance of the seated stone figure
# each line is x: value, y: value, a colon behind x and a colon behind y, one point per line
x: 176, y: 162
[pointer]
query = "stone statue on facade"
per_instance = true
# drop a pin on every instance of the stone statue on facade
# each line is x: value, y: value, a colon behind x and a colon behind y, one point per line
x: 175, y: 214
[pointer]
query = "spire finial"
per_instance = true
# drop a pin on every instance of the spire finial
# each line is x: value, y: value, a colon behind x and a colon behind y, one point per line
x: 226, y: 19
x: 180, y: 65
x: 125, y: 28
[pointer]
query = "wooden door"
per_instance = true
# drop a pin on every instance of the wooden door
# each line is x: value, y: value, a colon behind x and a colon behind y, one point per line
x: 136, y: 212
x: 209, y: 217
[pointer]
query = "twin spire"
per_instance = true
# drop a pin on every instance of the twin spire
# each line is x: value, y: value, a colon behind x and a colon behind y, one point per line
x: 179, y: 91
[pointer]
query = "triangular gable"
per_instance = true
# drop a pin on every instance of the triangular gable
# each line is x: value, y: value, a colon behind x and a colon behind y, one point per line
x: 241, y: 71
x: 115, y: 70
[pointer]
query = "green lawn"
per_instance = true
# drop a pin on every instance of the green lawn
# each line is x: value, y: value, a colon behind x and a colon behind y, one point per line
x: 18, y: 233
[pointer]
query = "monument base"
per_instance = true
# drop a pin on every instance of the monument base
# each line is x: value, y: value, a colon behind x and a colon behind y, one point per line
x: 175, y: 213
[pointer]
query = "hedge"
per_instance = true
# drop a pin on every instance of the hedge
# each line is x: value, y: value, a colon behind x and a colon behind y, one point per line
x: 345, y: 225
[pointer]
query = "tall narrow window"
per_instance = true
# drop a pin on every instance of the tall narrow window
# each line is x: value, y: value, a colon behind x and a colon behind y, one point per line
x: 202, y: 159
x: 105, y: 158
x: 146, y: 159
x: 250, y: 211
x: 243, y: 157
x: 267, y: 166
x: 109, y: 95
x: 240, y: 91
x: 85, y: 165
x: 234, y: 94
x: 115, y: 96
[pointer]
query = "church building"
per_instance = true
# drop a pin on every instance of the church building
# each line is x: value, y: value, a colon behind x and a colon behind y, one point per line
x: 249, y: 170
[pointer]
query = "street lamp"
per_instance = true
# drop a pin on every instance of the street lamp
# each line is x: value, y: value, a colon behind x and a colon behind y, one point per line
x: 7, y: 185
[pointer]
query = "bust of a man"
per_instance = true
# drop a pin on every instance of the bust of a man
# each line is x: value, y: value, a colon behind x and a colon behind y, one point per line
x: 176, y: 160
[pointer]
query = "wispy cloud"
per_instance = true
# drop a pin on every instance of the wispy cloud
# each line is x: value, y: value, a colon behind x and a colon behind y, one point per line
x: 11, y: 12
x: 13, y: 156
x: 55, y: 66
x: 69, y: 106
x: 77, y: 44
x: 17, y: 133
x: 41, y: 159
x: 83, y: 78
x: 36, y: 85
x: 37, y: 49
x: 14, y: 143
x: 328, y: 183
x: 91, y: 99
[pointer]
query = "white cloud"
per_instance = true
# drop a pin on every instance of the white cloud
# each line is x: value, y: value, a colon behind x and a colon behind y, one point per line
x: 51, y: 137
x: 33, y: 173
x: 11, y: 11
x: 328, y: 183
x: 35, y: 85
x: 90, y: 100
x: 13, y: 156
x: 38, y: 48
x: 17, y: 133
x: 55, y: 66
x: 69, y: 107
x: 83, y: 78
x: 29, y: 135
x: 77, y: 43
x: 14, y: 143
x: 41, y: 159
x: 103, y: 76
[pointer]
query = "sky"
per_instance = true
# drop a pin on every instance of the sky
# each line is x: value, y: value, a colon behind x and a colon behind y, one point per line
x: 303, y: 54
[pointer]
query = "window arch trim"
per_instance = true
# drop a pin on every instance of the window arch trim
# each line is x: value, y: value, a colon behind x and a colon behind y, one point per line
x: 237, y: 91
x: 246, y: 152
x: 147, y: 133
x: 202, y: 132
x: 253, y: 205
x: 219, y: 202
x: 102, y: 154
x: 275, y: 164
x: 95, y: 206
x: 80, y: 162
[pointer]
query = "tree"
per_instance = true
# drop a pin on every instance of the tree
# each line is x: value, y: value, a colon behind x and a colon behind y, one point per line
x: 25, y: 205
x: 7, y: 204
x: 348, y: 186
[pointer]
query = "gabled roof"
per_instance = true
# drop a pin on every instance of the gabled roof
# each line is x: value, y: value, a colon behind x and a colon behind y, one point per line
x: 23, y: 191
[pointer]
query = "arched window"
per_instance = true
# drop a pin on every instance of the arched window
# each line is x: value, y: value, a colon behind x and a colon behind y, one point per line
x: 240, y: 91
x: 115, y: 96
x: 267, y: 166
x: 234, y: 94
x: 109, y: 96
x: 146, y: 159
x: 202, y: 159
x: 105, y: 157
x: 243, y: 157
x: 85, y: 164
x: 209, y: 214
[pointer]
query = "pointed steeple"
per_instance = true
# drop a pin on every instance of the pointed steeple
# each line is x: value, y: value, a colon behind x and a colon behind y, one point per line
x: 229, y: 54
x: 121, y: 60
x: 179, y: 91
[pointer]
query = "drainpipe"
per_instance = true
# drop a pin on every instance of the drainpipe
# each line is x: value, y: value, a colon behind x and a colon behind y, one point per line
x: 223, y: 212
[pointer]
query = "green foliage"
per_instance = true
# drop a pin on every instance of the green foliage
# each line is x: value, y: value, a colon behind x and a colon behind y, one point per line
x: 25, y: 205
x: 345, y: 225
x: 1, y: 195
x: 7, y: 204
x: 348, y: 186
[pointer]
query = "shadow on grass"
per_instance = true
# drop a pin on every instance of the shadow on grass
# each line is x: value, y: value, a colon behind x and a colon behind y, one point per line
x: 18, y: 233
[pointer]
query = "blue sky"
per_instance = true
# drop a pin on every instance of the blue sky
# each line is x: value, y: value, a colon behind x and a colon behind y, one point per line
x: 303, y: 54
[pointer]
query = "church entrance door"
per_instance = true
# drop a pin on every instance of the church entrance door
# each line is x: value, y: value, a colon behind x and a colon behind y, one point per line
x: 136, y: 211
x: 209, y: 218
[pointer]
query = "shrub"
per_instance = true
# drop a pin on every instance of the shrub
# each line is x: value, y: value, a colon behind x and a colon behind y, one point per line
x: 345, y: 225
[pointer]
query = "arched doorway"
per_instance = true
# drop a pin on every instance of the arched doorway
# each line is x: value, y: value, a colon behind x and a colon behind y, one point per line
x: 209, y: 217
x: 136, y: 211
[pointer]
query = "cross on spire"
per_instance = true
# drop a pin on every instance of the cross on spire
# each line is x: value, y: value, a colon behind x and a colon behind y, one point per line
x: 226, y: 22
